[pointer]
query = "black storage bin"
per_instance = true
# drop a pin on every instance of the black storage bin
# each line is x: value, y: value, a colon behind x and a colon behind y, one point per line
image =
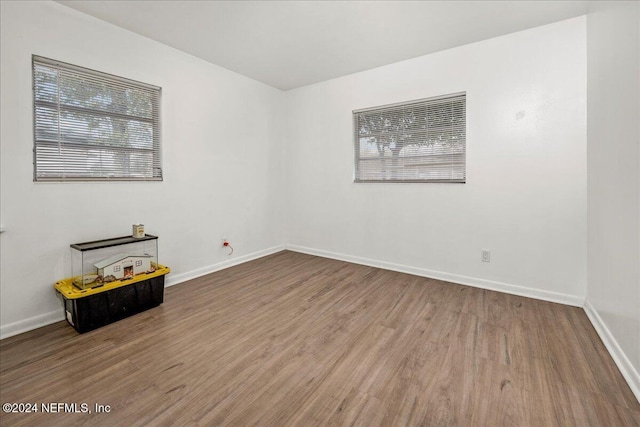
x: 98, y: 309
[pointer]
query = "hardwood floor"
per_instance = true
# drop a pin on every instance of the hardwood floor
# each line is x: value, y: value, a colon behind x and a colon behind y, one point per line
x: 292, y: 339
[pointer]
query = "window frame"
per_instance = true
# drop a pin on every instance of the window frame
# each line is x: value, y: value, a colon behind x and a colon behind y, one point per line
x: 425, y: 101
x: 156, y: 123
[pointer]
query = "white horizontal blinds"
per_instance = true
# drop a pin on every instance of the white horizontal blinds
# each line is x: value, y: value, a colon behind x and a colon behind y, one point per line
x: 93, y: 126
x: 416, y: 141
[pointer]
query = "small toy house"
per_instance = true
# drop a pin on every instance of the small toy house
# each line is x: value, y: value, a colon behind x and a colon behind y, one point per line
x: 123, y: 266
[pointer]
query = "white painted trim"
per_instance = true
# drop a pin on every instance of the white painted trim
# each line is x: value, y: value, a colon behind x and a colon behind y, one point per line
x: 35, y: 322
x: 31, y: 323
x: 574, y: 300
x: 175, y: 279
x: 619, y: 357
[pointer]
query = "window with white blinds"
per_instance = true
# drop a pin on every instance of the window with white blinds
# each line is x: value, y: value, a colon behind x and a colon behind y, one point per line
x: 90, y: 125
x: 414, y: 141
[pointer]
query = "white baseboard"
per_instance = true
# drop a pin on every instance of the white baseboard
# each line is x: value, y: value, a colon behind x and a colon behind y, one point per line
x: 619, y: 357
x: 183, y: 277
x: 35, y: 322
x: 523, y: 291
x: 31, y: 323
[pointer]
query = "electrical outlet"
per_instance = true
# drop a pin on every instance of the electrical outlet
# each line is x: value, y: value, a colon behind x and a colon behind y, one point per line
x: 486, y: 255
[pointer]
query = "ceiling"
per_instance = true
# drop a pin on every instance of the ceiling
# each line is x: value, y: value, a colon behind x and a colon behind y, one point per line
x: 288, y: 44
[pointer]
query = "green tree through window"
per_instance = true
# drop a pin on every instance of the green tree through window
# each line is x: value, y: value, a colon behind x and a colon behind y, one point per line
x: 416, y: 141
x: 93, y: 126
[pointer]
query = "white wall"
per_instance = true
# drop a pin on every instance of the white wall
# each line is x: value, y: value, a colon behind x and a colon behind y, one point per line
x: 222, y: 162
x: 525, y: 196
x: 613, y: 290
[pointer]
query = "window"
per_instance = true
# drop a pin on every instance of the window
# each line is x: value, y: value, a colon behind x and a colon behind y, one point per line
x: 93, y: 126
x: 415, y: 141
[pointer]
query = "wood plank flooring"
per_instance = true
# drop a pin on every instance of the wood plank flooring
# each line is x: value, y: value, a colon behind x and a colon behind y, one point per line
x: 292, y: 339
